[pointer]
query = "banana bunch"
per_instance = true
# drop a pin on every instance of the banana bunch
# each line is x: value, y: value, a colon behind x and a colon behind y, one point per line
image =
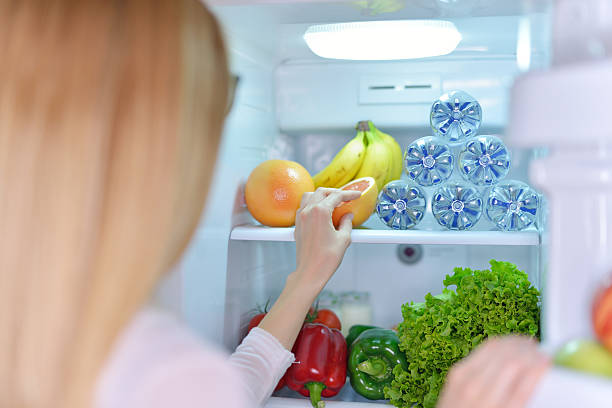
x: 371, y: 153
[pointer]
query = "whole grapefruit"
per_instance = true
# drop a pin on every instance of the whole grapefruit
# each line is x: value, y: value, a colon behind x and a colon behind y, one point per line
x: 361, y: 207
x: 274, y: 189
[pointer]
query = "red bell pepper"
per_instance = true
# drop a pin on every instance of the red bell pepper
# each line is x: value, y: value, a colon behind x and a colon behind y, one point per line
x: 320, y: 363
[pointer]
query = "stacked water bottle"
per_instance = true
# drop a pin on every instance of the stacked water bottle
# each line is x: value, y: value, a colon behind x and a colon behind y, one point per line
x: 458, y: 201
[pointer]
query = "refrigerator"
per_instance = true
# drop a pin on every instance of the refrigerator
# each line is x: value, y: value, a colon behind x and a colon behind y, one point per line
x: 542, y: 72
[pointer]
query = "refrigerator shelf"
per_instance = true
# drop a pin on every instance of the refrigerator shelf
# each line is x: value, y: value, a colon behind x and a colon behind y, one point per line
x: 279, y: 402
x: 529, y: 237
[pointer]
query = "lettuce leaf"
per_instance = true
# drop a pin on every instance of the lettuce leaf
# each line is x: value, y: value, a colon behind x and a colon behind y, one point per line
x: 445, y: 328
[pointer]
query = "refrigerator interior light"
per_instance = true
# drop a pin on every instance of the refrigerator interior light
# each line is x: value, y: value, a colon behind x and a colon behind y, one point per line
x: 383, y: 40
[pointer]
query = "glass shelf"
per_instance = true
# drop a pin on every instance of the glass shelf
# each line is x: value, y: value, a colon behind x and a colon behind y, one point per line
x: 529, y: 237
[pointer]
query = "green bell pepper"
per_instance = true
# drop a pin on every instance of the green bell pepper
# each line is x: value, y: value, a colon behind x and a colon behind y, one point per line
x: 372, y: 357
x: 355, y: 331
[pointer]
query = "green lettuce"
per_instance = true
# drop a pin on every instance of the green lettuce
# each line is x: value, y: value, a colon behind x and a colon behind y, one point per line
x: 445, y: 328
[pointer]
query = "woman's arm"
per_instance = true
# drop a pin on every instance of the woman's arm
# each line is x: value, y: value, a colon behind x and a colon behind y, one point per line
x: 320, y: 249
x: 264, y: 355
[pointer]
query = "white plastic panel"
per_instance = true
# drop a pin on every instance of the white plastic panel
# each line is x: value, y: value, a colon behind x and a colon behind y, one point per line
x: 377, y: 269
x: 313, y: 97
x: 255, y: 275
x: 416, y: 88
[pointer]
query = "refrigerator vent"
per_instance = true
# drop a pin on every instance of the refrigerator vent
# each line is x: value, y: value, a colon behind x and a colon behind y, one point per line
x: 405, y: 89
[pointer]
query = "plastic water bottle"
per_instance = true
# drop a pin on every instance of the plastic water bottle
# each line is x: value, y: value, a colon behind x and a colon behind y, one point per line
x: 457, y: 206
x: 484, y: 160
x: 428, y: 161
x: 401, y: 205
x: 455, y: 116
x: 512, y: 205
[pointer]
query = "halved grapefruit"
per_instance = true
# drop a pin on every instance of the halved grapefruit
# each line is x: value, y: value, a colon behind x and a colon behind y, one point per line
x: 361, y: 207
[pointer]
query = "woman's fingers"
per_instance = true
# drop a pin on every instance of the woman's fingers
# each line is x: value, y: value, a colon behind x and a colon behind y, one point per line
x: 312, y: 198
x: 506, y: 366
x: 337, y: 197
x: 520, y: 360
x: 525, y: 385
x: 320, y: 193
x: 346, y: 225
x: 461, y: 385
x: 330, y: 198
x: 501, y: 372
x: 306, y: 199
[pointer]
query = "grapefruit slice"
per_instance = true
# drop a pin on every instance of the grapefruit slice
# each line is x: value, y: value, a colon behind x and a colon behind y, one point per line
x: 361, y: 207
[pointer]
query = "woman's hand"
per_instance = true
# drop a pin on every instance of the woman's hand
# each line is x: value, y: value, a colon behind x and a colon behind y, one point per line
x: 502, y: 372
x: 320, y: 249
x: 319, y: 246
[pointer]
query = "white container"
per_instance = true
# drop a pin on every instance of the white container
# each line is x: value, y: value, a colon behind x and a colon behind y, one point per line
x: 356, y: 309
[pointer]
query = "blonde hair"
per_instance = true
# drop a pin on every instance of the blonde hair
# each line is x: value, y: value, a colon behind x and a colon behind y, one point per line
x: 110, y: 116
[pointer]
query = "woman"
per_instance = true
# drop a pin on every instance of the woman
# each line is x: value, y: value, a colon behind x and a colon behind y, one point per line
x: 110, y: 113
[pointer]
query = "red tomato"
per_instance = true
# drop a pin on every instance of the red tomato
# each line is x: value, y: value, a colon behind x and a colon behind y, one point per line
x: 255, y: 321
x: 328, y: 318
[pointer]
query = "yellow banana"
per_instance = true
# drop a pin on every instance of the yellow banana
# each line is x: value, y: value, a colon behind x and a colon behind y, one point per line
x: 344, y: 165
x: 397, y: 160
x: 377, y: 159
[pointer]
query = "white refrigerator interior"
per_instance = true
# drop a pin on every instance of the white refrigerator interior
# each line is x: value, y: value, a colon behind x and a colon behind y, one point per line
x: 293, y: 104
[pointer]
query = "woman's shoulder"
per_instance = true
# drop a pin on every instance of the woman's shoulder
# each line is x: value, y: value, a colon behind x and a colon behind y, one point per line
x: 158, y: 362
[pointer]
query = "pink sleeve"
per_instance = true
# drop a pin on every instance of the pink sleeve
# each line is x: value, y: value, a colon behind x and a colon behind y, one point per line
x: 157, y: 363
x: 261, y: 361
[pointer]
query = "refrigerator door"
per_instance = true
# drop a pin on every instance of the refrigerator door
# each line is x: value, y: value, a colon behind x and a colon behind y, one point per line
x: 562, y: 110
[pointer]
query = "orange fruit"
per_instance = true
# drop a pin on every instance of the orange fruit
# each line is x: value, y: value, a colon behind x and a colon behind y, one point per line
x: 361, y: 207
x: 274, y: 189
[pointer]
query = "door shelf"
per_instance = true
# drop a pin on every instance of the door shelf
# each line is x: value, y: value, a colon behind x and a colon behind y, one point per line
x: 529, y: 237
